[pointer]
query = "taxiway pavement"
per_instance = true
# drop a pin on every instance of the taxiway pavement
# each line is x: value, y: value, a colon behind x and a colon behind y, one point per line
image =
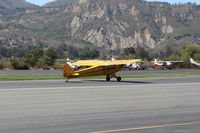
x: 153, y: 105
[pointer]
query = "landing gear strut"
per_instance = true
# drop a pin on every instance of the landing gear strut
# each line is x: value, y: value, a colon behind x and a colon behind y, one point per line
x: 108, y: 77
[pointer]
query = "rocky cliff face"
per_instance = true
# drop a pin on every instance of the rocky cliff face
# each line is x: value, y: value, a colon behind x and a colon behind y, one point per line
x: 119, y: 24
x: 108, y: 24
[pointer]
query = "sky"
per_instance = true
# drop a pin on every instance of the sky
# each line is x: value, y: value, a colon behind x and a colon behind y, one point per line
x: 39, y: 2
x: 42, y: 2
x: 177, y: 1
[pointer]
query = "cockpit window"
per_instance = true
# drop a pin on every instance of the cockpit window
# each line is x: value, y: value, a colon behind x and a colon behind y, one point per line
x: 77, y: 68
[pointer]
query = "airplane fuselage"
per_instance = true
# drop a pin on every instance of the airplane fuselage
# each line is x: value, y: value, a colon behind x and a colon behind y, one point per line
x: 96, y: 71
x: 96, y: 68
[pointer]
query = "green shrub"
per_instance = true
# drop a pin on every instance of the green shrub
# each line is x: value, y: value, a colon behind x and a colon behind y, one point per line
x: 19, y: 64
x: 190, y: 51
x: 40, y: 63
x: 50, y: 56
x: 1, y: 65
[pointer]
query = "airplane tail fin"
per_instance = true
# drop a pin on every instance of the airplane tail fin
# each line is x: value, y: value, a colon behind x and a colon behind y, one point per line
x: 155, y: 61
x: 191, y: 60
x: 68, y: 70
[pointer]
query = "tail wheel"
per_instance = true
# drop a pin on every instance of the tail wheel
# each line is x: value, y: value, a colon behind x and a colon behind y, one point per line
x: 119, y: 79
x: 107, y: 78
x: 67, y: 80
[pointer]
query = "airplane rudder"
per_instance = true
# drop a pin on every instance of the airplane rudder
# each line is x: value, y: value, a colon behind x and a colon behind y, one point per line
x: 68, y: 69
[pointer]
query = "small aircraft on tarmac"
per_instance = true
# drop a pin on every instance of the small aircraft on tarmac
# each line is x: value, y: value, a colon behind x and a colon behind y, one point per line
x: 165, y: 64
x: 88, y: 68
x: 194, y: 62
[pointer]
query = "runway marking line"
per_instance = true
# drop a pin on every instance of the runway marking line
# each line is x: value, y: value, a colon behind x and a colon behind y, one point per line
x: 148, y: 127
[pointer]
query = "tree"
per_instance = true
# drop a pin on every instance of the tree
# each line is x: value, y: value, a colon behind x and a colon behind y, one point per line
x: 1, y: 64
x: 60, y: 50
x: 18, y: 63
x: 33, y: 57
x: 173, y: 57
x: 129, y: 50
x: 50, y: 56
x: 73, y: 51
x: 196, y: 56
x: 190, y: 51
x: 126, y: 57
x: 141, y: 53
x: 89, y: 54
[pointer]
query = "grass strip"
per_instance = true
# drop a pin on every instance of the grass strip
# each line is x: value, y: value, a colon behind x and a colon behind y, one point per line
x: 189, y: 73
x: 11, y: 78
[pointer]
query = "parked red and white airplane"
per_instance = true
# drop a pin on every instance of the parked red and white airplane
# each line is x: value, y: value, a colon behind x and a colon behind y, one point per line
x: 194, y: 62
x: 165, y: 64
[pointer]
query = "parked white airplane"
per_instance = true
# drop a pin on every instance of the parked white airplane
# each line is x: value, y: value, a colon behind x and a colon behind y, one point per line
x: 194, y: 62
x: 165, y: 64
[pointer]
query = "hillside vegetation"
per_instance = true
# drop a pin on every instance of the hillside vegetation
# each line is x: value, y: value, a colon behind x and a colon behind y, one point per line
x: 107, y: 27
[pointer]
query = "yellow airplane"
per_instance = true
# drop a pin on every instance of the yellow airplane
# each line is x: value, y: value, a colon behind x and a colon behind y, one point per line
x: 96, y: 68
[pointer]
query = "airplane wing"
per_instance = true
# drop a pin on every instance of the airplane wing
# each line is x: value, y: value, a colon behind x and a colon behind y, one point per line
x: 175, y: 61
x: 169, y: 61
x: 104, y: 63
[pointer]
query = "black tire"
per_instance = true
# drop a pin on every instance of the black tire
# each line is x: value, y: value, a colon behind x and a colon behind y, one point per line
x: 67, y: 80
x: 107, y: 78
x: 119, y: 79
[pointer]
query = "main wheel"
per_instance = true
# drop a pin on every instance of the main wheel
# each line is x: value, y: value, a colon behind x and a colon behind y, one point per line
x: 119, y: 79
x: 107, y: 78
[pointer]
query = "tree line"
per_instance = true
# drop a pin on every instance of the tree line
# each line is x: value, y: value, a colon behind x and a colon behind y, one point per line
x: 45, y: 57
x: 40, y: 57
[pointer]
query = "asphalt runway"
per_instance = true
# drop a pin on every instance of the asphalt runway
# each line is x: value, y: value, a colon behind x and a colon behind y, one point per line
x: 59, y: 72
x: 153, y: 105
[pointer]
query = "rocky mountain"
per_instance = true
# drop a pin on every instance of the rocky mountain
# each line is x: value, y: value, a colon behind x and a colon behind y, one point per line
x: 12, y: 4
x: 118, y: 24
x: 104, y: 24
x: 58, y: 3
x: 10, y: 7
